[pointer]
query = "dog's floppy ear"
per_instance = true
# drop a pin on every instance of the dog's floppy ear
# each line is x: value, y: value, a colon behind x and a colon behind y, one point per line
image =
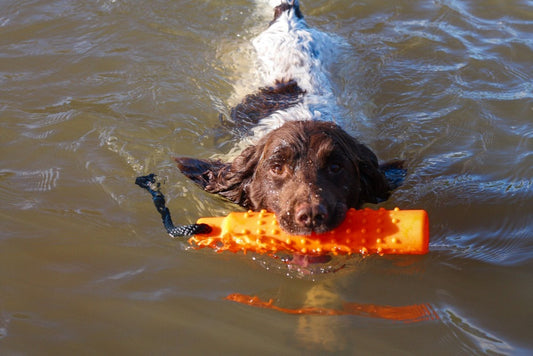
x: 375, y: 187
x: 201, y: 172
x: 394, y: 172
x: 225, y: 179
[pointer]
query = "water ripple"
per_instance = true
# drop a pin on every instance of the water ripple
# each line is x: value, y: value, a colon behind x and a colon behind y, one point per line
x: 472, y: 338
x: 33, y: 180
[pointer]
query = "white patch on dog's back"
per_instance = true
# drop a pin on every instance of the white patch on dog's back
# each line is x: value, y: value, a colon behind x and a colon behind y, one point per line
x: 286, y: 50
x: 290, y: 50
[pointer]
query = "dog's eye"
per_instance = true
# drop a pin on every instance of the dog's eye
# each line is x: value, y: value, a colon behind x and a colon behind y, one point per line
x: 335, y: 168
x: 277, y: 169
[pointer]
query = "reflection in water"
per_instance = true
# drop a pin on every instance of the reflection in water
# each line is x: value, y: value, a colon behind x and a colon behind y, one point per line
x: 409, y: 313
x: 315, y: 326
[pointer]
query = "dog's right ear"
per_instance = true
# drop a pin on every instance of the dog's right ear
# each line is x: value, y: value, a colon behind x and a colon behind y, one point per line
x: 201, y: 172
x: 225, y: 179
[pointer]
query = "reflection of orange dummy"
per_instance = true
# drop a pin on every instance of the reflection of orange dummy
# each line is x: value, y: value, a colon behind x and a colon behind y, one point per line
x: 408, y: 313
x: 363, y: 231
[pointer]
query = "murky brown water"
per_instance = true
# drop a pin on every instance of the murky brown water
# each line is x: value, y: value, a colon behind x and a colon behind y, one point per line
x: 94, y: 93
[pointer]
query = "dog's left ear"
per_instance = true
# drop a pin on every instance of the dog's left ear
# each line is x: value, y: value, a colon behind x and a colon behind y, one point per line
x: 394, y: 172
x: 377, y: 181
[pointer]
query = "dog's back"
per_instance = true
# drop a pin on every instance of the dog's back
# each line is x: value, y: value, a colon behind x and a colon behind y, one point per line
x: 294, y: 64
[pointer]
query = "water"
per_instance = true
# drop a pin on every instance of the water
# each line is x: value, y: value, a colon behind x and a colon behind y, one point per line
x: 94, y: 93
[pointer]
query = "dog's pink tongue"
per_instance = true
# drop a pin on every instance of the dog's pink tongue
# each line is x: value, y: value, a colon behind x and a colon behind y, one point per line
x: 306, y: 260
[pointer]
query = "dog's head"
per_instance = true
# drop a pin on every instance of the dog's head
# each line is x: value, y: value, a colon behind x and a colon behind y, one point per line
x: 308, y: 173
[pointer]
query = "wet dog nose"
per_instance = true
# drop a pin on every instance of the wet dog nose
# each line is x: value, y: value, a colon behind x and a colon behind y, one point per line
x: 310, y: 216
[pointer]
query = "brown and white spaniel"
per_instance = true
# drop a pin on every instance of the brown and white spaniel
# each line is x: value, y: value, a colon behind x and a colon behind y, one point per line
x: 302, y: 165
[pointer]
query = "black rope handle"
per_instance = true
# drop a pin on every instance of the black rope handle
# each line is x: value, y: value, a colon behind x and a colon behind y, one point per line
x: 148, y: 182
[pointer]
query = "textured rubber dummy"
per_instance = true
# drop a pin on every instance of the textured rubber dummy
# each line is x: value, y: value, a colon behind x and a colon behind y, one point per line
x: 363, y: 231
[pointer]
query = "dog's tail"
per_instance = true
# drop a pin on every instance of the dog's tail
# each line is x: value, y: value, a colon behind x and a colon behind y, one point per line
x: 279, y: 7
x: 266, y: 7
x: 291, y: 6
x: 275, y: 3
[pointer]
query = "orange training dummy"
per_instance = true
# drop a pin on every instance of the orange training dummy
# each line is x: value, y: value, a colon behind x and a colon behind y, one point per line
x: 363, y: 231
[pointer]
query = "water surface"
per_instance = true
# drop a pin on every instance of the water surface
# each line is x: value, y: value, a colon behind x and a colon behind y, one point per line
x: 94, y: 93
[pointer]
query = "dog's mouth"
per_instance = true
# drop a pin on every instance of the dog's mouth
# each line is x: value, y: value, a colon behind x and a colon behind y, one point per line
x: 306, y: 260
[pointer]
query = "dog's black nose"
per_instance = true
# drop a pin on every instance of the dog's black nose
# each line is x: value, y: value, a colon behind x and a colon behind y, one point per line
x: 311, y: 215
